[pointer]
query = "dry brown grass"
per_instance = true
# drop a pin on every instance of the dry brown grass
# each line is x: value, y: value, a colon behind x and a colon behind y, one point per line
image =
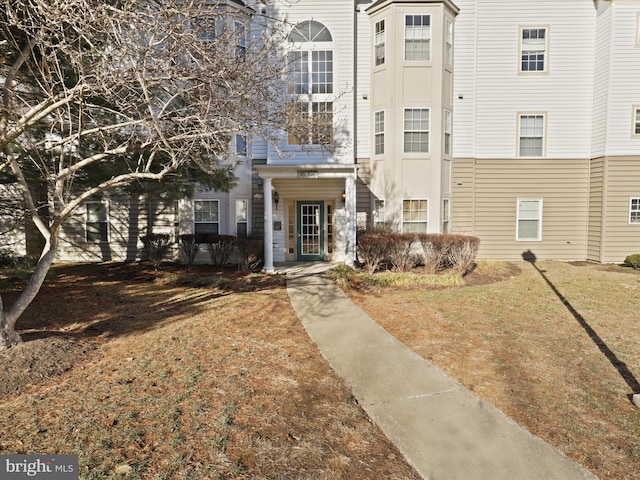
x: 172, y: 381
x: 562, y: 363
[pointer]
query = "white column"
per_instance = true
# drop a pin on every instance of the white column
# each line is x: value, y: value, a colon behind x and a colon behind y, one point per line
x: 350, y: 219
x: 268, y: 226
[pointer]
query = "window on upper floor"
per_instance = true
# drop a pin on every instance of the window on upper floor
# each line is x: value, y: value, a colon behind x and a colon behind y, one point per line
x: 378, y: 129
x: 415, y: 216
x: 416, y: 130
x: 241, y: 144
x: 448, y: 42
x: 311, y: 85
x: 96, y: 222
x: 206, y: 217
x: 634, y: 210
x: 531, y: 135
x: 379, y: 42
x: 636, y: 121
x: 417, y: 37
x: 534, y: 46
x: 529, y: 219
x: 447, y: 132
x: 240, y: 32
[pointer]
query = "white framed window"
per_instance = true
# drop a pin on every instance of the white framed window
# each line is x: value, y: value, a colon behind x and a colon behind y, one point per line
x: 96, y: 222
x: 380, y: 43
x: 241, y: 144
x: 416, y: 130
x: 417, y: 37
x: 206, y: 216
x: 206, y: 28
x: 311, y: 85
x: 635, y: 121
x: 634, y: 210
x: 378, y: 129
x: 378, y: 212
x: 415, y: 216
x: 242, y: 218
x: 638, y: 30
x: 448, y: 42
x: 531, y: 127
x: 534, y: 47
x: 446, y: 215
x: 448, y: 128
x: 529, y: 219
x: 240, y: 31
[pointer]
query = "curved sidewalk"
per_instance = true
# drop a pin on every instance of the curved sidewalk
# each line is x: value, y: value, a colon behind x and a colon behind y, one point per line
x: 443, y: 430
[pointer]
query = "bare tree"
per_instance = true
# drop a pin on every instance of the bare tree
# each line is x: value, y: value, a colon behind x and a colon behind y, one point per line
x: 98, y: 94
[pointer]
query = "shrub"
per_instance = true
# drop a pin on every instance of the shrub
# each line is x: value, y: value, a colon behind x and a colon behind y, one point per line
x: 399, y: 251
x: 188, y: 249
x: 157, y: 246
x: 8, y: 258
x: 373, y: 250
x: 250, y: 252
x: 220, y: 248
x: 462, y: 253
x: 435, y: 249
x: 633, y: 261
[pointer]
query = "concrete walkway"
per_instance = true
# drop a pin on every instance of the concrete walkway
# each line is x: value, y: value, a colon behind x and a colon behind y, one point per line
x: 443, y: 430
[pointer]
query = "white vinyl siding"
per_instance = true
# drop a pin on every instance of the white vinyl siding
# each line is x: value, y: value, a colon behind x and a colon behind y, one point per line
x: 531, y: 135
x: 96, y: 222
x: 416, y: 130
x: 380, y: 43
x: 415, y: 216
x: 378, y: 123
x: 634, y: 210
x: 417, y: 37
x: 534, y: 46
x: 206, y: 216
x: 529, y: 219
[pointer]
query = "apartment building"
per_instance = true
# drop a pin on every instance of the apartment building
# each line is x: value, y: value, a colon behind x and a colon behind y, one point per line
x: 517, y: 122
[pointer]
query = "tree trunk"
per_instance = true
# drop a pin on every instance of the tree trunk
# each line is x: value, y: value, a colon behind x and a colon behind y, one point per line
x: 8, y: 318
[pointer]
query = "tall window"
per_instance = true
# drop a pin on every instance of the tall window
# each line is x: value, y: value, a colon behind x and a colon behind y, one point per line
x: 378, y: 212
x: 242, y: 218
x: 241, y: 39
x: 414, y: 216
x: 446, y: 215
x: 531, y: 136
x: 529, y: 219
x: 311, y: 85
x: 636, y: 120
x: 448, y: 42
x: 416, y: 130
x: 96, y: 222
x: 634, y: 210
x: 447, y: 132
x: 380, y: 40
x: 378, y: 121
x: 206, y: 216
x: 533, y: 50
x: 417, y: 37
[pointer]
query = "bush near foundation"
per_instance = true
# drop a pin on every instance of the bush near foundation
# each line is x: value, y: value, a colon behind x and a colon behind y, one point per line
x: 157, y: 246
x: 221, y: 248
x: 188, y: 249
x: 633, y: 261
x: 250, y: 252
x: 373, y: 250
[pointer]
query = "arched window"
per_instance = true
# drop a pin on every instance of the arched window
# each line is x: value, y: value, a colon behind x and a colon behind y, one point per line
x: 311, y: 85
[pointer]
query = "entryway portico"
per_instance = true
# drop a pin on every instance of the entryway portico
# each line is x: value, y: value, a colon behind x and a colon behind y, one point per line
x: 310, y: 213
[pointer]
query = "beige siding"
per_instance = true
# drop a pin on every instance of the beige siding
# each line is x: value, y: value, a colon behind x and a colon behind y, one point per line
x: 622, y: 181
x: 596, y: 195
x: 561, y: 184
x: 462, y: 204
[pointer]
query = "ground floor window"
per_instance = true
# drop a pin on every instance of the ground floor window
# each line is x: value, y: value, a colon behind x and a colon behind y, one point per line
x: 529, y: 219
x: 414, y: 216
x: 446, y: 215
x: 634, y: 210
x: 242, y: 218
x: 96, y: 222
x: 378, y: 212
x: 206, y: 216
